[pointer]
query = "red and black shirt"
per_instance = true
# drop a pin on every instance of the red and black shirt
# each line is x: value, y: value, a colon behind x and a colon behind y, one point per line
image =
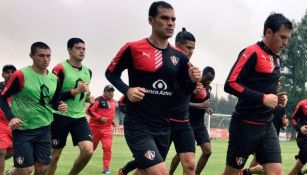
x: 2, y: 116
x: 156, y: 70
x: 103, y: 107
x: 299, y: 117
x: 179, y: 109
x: 255, y: 73
x: 196, y: 115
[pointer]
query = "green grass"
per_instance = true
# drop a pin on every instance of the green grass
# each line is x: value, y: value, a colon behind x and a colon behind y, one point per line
x: 121, y: 154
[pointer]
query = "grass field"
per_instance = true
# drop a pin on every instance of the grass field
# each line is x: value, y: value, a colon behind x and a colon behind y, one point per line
x: 121, y: 155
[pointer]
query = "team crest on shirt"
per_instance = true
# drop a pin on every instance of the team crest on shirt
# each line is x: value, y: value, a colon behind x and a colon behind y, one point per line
x: 150, y: 155
x: 240, y: 161
x: 55, y: 142
x: 175, y: 60
x: 20, y: 160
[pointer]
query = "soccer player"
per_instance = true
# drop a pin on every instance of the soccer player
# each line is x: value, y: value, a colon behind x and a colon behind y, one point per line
x: 35, y: 94
x: 74, y: 79
x: 254, y: 79
x: 5, y: 131
x: 154, y: 68
x: 181, y: 130
x: 101, y: 121
x: 280, y: 121
x: 299, y: 121
x: 199, y: 105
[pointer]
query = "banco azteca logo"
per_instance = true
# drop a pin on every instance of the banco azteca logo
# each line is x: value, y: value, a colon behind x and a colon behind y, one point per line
x: 159, y: 88
x: 159, y: 85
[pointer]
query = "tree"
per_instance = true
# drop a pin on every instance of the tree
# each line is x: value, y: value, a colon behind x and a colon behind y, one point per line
x: 294, y: 67
x: 223, y: 105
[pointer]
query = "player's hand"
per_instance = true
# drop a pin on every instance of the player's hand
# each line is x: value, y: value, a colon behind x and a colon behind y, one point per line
x: 15, y: 123
x: 103, y: 119
x: 82, y: 87
x: 285, y: 122
x: 282, y: 99
x: 303, y: 129
x: 205, y: 104
x: 194, y: 73
x: 199, y: 88
x: 136, y: 94
x: 62, y: 107
x: 91, y: 99
x: 270, y: 100
x: 209, y: 111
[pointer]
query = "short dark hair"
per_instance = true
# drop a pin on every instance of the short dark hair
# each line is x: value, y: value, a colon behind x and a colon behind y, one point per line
x: 183, y: 36
x: 153, y: 9
x: 8, y: 67
x: 208, y: 70
x: 72, y: 41
x: 37, y: 45
x: 275, y: 21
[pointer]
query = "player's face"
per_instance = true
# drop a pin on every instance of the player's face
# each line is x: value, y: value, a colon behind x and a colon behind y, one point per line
x: 109, y: 94
x: 188, y: 48
x: 77, y: 52
x: 41, y: 58
x: 207, y: 79
x: 7, y: 74
x: 279, y: 39
x: 164, y: 23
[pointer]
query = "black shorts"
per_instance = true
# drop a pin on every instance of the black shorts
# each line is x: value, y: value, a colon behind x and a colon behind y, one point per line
x: 302, y: 154
x: 246, y: 139
x: 201, y: 135
x: 182, y: 136
x: 148, y: 145
x: 62, y: 125
x: 30, y: 146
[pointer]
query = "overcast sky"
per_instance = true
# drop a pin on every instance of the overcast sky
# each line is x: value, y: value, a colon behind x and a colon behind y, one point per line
x: 221, y: 27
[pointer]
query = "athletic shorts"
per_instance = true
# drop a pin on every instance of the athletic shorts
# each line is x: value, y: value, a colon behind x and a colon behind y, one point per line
x: 182, y: 136
x: 246, y: 139
x: 5, y: 137
x: 30, y: 146
x: 201, y: 135
x: 302, y: 154
x: 149, y: 145
x: 62, y: 125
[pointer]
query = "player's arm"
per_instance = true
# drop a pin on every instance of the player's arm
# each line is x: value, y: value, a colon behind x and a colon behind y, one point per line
x: 284, y: 122
x: 239, y: 74
x: 14, y: 85
x: 92, y: 110
x: 90, y: 98
x: 56, y: 102
x: 122, y: 61
x: 295, y: 118
x: 202, y: 105
x: 122, y: 104
x: 188, y: 75
x: 58, y: 70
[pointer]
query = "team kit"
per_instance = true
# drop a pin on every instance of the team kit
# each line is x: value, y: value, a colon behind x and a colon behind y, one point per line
x: 164, y: 102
